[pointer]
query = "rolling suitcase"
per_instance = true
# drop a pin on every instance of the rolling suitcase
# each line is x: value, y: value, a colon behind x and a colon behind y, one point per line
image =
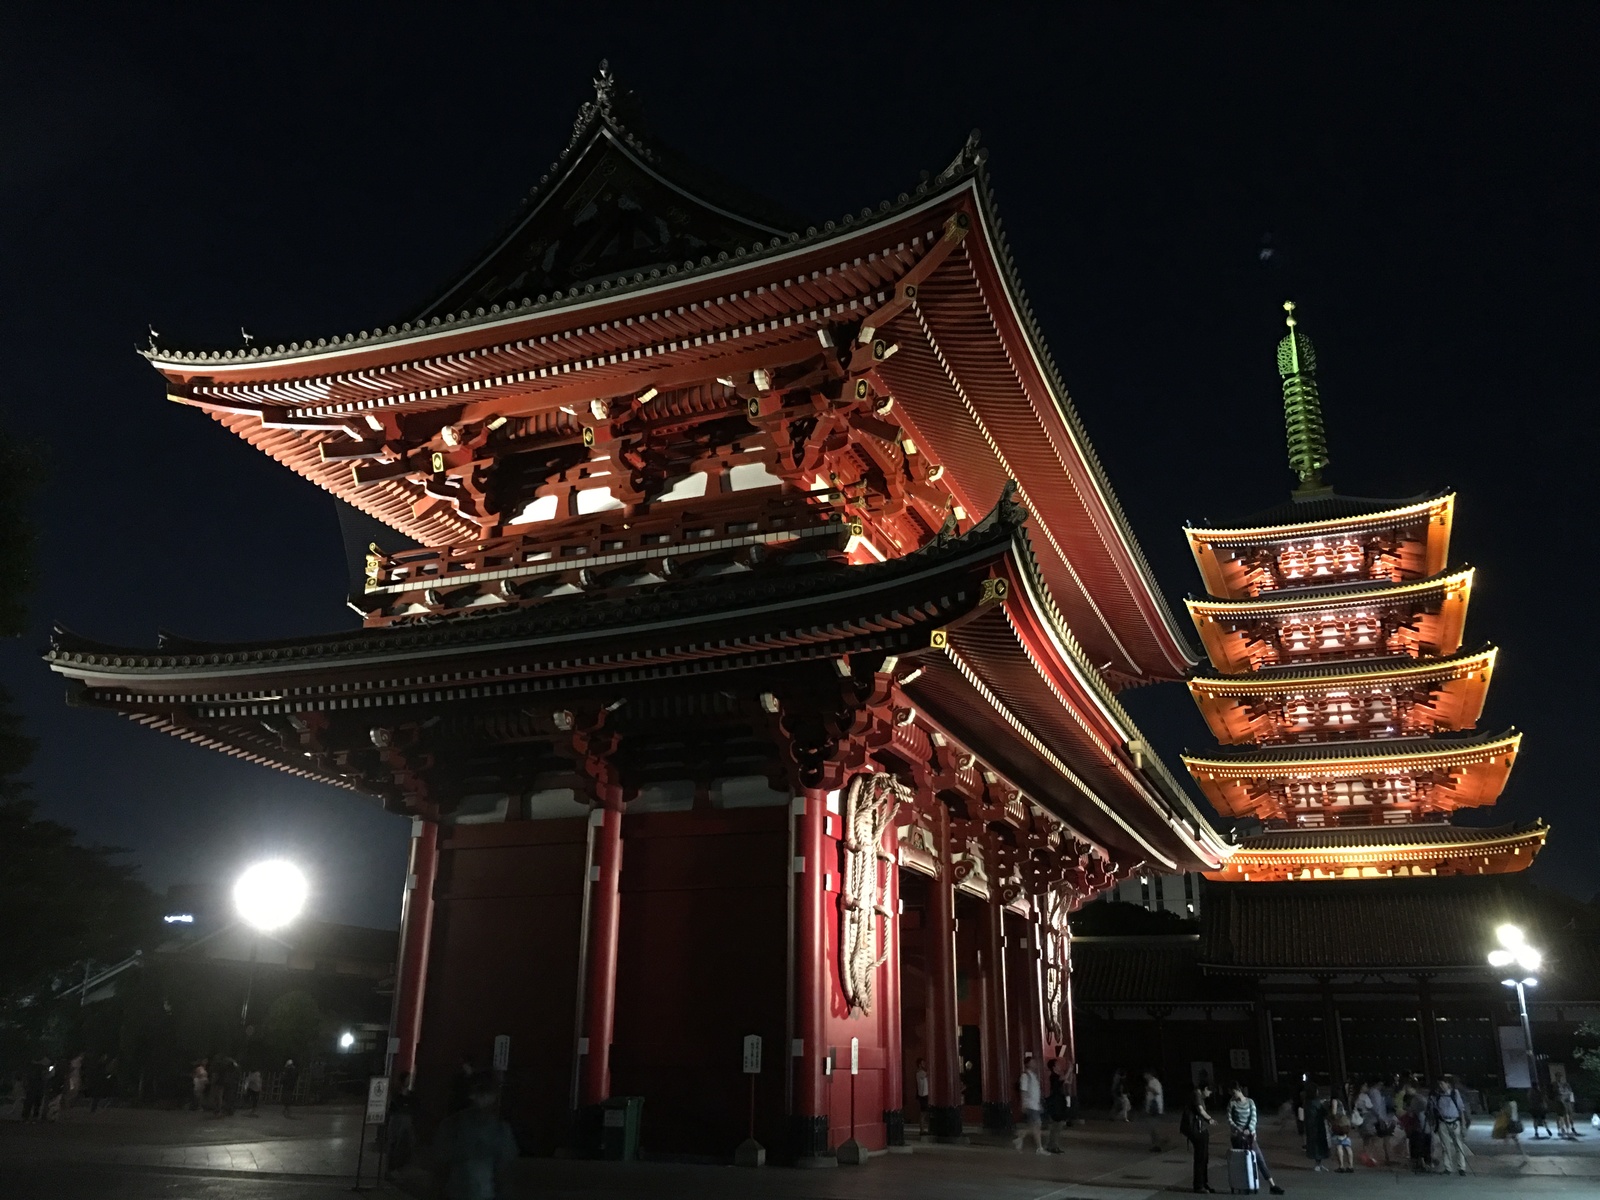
x: 1242, y: 1171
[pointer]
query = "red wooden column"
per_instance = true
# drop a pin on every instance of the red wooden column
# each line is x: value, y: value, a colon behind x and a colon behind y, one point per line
x: 1069, y: 1031
x: 944, y: 1054
x: 600, y: 980
x: 416, y: 933
x: 811, y: 977
x: 894, y: 1117
x: 997, y: 1062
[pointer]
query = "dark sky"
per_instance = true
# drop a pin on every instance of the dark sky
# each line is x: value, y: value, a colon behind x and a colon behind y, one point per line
x: 1427, y: 176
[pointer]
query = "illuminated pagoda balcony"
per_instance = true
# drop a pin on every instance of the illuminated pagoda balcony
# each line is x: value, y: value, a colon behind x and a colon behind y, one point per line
x: 1365, y: 782
x: 1395, y: 697
x: 1325, y: 539
x: 1425, y: 618
x: 1382, y: 852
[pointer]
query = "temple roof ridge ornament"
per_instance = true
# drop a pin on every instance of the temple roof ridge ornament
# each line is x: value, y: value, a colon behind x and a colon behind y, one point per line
x: 1302, y: 407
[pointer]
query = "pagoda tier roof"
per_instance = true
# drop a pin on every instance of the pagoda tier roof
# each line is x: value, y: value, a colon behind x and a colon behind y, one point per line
x: 974, y: 388
x: 1384, y: 749
x: 1451, y: 771
x: 1456, y: 688
x: 1333, y: 597
x: 1322, y: 514
x: 1036, y: 711
x: 1230, y: 558
x: 1236, y: 633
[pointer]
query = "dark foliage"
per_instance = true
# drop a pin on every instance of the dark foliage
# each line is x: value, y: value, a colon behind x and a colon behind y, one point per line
x: 65, y: 904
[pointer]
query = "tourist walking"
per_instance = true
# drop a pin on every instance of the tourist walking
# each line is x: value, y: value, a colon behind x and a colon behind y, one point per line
x: 921, y: 1079
x: 1242, y: 1121
x: 1056, y: 1102
x: 1121, y: 1104
x: 1449, y: 1117
x: 1155, y: 1101
x: 1414, y: 1120
x: 288, y: 1078
x: 1369, y: 1112
x: 1340, y: 1129
x: 74, y: 1087
x: 33, y: 1084
x: 1566, y: 1106
x: 1032, y: 1104
x: 252, y: 1092
x: 1195, y: 1124
x: 200, y: 1079
x: 1538, y: 1112
x: 1316, y: 1127
x: 474, y: 1146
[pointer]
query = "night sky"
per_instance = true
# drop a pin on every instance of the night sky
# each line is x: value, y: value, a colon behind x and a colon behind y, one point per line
x: 1424, y: 179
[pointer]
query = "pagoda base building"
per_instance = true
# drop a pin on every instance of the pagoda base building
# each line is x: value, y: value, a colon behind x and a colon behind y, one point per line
x: 1338, y: 686
x: 745, y: 656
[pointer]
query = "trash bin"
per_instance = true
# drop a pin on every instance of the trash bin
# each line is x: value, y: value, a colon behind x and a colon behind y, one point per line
x: 619, y: 1128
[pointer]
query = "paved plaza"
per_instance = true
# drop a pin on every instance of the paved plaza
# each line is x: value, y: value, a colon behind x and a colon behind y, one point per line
x: 135, y: 1154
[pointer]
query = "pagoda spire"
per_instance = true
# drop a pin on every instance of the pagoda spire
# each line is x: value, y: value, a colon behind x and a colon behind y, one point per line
x: 1302, y: 406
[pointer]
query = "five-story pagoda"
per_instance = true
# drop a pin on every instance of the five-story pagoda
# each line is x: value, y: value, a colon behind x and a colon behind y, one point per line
x: 1339, y: 688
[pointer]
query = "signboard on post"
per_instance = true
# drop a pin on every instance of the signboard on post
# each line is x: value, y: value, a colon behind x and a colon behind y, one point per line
x: 377, y: 1099
x: 752, y: 1054
x: 502, y: 1051
x: 855, y: 1056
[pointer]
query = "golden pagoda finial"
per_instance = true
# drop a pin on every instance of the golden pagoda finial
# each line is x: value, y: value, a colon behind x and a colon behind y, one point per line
x: 1302, y: 405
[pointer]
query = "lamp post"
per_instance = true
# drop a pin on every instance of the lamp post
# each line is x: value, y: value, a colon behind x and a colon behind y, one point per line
x: 267, y: 896
x: 1514, y: 951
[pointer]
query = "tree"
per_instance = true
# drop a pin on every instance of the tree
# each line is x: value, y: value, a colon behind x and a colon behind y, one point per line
x: 63, y: 903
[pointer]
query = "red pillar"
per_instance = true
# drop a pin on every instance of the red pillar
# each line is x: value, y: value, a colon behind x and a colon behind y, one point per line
x: 811, y: 977
x: 1069, y: 1032
x: 944, y: 1054
x: 1038, y: 1033
x: 600, y: 981
x: 894, y: 1118
x: 997, y: 1065
x: 416, y: 933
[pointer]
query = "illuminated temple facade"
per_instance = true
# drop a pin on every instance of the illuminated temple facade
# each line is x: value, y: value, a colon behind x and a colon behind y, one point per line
x: 1338, y: 686
x: 744, y: 647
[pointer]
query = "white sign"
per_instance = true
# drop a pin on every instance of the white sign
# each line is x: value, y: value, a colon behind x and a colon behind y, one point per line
x: 752, y: 1054
x: 502, y: 1051
x: 377, y: 1099
x: 855, y: 1056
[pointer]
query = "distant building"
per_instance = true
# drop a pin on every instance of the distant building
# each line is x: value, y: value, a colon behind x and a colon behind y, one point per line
x: 1177, y: 894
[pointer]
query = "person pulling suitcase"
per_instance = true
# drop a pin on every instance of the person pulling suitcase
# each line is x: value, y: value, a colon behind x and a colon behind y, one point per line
x: 1247, y: 1165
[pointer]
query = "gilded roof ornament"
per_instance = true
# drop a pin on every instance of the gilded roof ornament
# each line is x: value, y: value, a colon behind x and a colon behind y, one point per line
x: 1302, y: 405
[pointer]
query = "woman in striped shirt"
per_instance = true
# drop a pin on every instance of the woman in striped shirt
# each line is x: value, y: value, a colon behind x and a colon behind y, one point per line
x: 1242, y: 1118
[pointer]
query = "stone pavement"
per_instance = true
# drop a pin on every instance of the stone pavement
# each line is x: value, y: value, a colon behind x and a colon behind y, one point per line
x: 125, y: 1154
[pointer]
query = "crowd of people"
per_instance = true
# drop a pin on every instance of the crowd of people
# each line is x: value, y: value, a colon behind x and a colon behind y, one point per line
x: 47, y: 1086
x: 1403, y: 1117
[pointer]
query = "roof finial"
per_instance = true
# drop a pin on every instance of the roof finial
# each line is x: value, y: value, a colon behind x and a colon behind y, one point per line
x: 1302, y: 405
x: 605, y: 86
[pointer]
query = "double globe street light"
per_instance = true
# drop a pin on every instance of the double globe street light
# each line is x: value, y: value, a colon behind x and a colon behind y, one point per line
x: 1514, y: 952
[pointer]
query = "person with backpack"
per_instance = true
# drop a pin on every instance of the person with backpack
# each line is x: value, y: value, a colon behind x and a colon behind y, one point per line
x: 1195, y: 1124
x: 1242, y: 1121
x: 1340, y: 1129
x: 1447, y: 1113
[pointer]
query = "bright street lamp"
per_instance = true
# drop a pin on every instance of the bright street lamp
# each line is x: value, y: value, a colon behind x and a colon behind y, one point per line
x: 268, y: 896
x: 346, y: 1040
x: 1514, y: 948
